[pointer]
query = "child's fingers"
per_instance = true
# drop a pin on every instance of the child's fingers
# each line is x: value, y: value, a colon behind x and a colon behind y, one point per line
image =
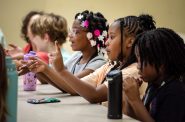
x: 57, y: 47
x: 33, y: 58
x: 24, y: 62
x: 139, y: 81
x: 12, y: 45
x: 23, y: 71
x: 30, y: 62
x: 32, y: 66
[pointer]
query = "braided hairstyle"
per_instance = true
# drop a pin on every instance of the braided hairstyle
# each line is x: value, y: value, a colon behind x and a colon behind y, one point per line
x: 96, y: 26
x: 162, y: 47
x: 3, y: 86
x: 132, y: 26
x: 25, y: 23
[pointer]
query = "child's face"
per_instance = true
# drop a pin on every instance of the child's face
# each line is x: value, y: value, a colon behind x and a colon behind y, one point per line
x: 29, y: 32
x: 41, y: 43
x: 113, y: 43
x: 78, y: 37
x: 147, y: 71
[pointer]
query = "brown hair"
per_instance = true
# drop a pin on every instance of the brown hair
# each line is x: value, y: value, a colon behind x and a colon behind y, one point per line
x: 3, y: 85
x: 26, y: 21
x: 54, y: 25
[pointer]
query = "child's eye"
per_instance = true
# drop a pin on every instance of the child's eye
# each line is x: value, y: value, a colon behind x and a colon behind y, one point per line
x: 110, y: 37
x: 76, y: 32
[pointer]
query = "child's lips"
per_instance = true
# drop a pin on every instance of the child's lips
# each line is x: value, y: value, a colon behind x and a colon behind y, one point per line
x: 72, y: 43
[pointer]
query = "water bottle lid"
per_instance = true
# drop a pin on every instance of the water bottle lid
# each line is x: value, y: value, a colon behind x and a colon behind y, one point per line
x: 113, y: 73
x: 10, y: 64
x: 32, y: 52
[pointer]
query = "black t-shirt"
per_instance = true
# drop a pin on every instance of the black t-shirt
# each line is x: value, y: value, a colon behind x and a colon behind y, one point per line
x: 168, y: 102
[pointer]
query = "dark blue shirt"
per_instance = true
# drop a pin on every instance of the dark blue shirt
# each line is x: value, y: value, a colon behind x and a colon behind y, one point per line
x: 167, y: 102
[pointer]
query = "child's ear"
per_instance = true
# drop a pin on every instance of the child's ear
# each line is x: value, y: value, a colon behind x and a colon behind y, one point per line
x: 46, y: 37
x: 162, y: 69
x: 130, y: 41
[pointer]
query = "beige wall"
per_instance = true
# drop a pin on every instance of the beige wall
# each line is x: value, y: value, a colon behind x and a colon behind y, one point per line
x: 167, y: 13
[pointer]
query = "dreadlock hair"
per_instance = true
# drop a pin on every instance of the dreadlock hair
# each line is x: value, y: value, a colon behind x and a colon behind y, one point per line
x: 162, y: 47
x: 25, y: 23
x: 3, y: 86
x: 132, y: 26
x: 96, y: 21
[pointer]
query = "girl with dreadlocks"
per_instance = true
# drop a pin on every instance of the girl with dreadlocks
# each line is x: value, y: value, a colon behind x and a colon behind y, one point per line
x: 3, y: 86
x: 93, y: 87
x: 161, y: 61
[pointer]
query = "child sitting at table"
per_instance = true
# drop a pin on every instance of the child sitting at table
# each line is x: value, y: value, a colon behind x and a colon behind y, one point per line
x: 161, y: 61
x: 93, y: 87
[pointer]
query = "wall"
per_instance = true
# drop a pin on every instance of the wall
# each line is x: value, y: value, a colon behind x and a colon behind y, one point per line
x: 167, y: 13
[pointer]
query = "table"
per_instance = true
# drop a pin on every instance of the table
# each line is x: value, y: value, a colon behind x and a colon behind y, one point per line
x: 70, y: 109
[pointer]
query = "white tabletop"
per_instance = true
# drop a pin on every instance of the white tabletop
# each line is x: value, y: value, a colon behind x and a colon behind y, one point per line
x: 70, y: 109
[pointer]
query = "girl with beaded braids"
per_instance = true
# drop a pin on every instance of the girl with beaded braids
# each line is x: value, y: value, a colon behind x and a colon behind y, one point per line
x: 88, y: 36
x: 161, y: 61
x: 93, y: 87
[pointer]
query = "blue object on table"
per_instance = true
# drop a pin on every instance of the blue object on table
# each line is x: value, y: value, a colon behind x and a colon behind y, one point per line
x: 12, y: 90
x: 43, y: 100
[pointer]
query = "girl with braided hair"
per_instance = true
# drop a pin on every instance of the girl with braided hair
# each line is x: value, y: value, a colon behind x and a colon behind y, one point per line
x: 87, y: 37
x: 93, y: 87
x: 3, y: 86
x: 161, y: 61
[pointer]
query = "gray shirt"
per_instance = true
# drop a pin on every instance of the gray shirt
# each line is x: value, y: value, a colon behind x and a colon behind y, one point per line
x: 73, y: 65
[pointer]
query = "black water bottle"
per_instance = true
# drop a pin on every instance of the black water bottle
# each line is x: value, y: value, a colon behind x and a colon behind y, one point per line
x: 114, y: 79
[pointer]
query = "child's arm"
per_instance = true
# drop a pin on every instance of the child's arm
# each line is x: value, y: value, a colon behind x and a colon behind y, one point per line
x: 69, y: 83
x: 131, y: 90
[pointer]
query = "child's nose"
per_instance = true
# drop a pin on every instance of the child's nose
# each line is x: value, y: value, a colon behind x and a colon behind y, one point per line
x: 107, y: 42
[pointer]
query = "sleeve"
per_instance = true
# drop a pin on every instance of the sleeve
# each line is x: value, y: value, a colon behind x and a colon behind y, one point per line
x: 43, y: 56
x: 27, y: 48
x: 96, y: 63
x: 72, y: 60
x: 132, y: 71
x: 172, y: 109
x: 97, y: 76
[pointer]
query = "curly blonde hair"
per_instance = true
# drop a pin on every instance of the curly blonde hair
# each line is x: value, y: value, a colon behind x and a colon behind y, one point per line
x: 54, y: 25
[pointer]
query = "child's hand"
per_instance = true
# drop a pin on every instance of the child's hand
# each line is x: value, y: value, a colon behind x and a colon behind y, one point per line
x: 56, y: 59
x: 36, y: 65
x: 22, y: 68
x: 131, y: 89
x: 15, y: 52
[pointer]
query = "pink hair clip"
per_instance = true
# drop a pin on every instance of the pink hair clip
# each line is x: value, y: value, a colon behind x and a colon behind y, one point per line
x: 97, y: 32
x: 85, y: 24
